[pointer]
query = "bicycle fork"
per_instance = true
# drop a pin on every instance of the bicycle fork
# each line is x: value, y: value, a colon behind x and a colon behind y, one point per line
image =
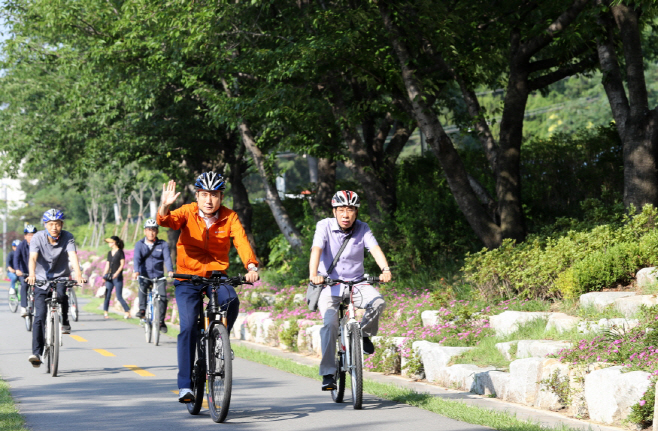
x: 346, y: 334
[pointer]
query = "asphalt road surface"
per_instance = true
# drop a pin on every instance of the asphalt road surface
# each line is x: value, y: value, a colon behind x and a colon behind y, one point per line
x: 111, y: 379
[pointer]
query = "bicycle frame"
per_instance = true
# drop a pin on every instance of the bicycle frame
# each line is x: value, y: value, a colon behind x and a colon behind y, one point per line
x: 347, y: 317
x: 150, y: 296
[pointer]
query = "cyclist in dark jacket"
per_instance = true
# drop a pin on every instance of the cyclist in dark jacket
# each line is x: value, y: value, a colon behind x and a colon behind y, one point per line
x: 21, y: 259
x: 150, y: 258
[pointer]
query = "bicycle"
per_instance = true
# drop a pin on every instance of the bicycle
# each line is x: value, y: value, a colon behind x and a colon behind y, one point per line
x: 213, y: 354
x: 13, y: 299
x: 73, y: 303
x: 151, y: 320
x: 349, y: 354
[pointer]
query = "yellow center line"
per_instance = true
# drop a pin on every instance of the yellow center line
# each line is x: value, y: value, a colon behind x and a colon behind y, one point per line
x: 140, y: 371
x: 78, y: 338
x: 104, y: 352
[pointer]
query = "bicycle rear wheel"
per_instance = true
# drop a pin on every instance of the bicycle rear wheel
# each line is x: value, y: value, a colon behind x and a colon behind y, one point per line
x: 198, y: 385
x: 73, y: 305
x: 56, y: 329
x: 48, y: 336
x: 356, y: 373
x: 155, y: 326
x: 13, y: 302
x: 338, y: 393
x: 28, y: 322
x: 220, y: 373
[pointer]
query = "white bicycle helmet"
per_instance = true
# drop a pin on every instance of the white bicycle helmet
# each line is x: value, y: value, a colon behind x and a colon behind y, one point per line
x: 345, y: 198
x: 210, y: 181
x: 150, y: 223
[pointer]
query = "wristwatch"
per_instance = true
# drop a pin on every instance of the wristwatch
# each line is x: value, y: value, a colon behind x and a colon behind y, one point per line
x: 252, y: 267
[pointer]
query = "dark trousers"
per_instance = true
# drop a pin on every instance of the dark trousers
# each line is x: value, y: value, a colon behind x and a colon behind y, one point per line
x: 160, y: 287
x: 40, y: 311
x: 118, y: 283
x: 189, y: 299
x: 23, y: 292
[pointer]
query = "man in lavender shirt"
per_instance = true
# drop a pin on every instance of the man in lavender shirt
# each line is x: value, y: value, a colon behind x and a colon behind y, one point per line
x: 329, y: 236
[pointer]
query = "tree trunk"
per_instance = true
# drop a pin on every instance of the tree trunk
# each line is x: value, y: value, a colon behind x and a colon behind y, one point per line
x: 124, y: 229
x: 241, y: 204
x: 636, y: 124
x: 326, y: 185
x: 483, y: 226
x: 271, y: 196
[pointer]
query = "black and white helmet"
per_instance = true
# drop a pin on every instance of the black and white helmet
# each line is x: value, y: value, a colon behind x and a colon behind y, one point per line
x: 345, y: 198
x: 210, y: 181
x: 150, y: 223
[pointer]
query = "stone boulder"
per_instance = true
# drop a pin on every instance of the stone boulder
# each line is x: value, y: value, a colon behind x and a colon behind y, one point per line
x: 316, y: 342
x: 586, y: 327
x: 556, y: 372
x: 562, y: 322
x: 255, y: 326
x: 508, y: 322
x: 298, y: 298
x: 600, y: 300
x: 505, y: 349
x: 459, y: 377
x: 540, y: 348
x: 435, y: 356
x: 630, y: 305
x: 646, y: 277
x: 610, y: 394
x: 240, y: 327
x: 430, y: 317
x: 284, y: 327
x: 525, y: 375
x: 494, y: 383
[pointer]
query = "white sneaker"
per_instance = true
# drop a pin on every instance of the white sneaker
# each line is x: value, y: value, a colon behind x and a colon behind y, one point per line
x: 35, y: 361
x: 23, y: 312
x: 185, y: 395
x: 12, y: 291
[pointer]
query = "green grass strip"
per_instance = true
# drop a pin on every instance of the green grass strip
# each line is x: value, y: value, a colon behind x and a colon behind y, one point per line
x: 94, y: 306
x: 10, y: 419
x: 499, y: 420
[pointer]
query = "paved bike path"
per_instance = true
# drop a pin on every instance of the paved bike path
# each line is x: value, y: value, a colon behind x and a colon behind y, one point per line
x: 110, y: 379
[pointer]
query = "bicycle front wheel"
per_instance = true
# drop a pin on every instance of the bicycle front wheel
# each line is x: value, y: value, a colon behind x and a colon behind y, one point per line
x: 338, y: 393
x: 13, y: 302
x: 356, y: 373
x: 155, y: 324
x: 56, y: 329
x: 220, y: 373
x: 73, y: 305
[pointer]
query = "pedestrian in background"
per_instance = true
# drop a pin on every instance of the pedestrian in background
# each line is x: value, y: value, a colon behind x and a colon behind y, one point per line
x: 11, y: 272
x: 113, y: 274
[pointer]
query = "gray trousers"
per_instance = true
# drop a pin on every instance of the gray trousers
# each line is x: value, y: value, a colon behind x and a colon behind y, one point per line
x: 365, y: 296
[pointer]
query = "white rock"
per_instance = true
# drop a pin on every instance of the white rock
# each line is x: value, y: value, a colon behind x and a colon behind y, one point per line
x: 240, y: 327
x: 127, y: 293
x: 492, y: 383
x: 540, y: 348
x: 600, y: 300
x: 316, y: 341
x: 551, y: 369
x: 646, y: 277
x: 508, y: 322
x: 610, y: 394
x: 430, y: 317
x: 270, y: 333
x: 604, y: 324
x: 459, y: 376
x: 504, y: 349
x: 255, y: 326
x: 562, y: 322
x: 298, y: 298
x: 435, y: 356
x: 525, y: 375
x: 284, y: 326
x: 630, y: 305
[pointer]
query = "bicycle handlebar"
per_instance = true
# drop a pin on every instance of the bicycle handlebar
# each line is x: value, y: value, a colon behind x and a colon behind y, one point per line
x: 153, y: 279
x: 215, y: 277
x: 369, y: 279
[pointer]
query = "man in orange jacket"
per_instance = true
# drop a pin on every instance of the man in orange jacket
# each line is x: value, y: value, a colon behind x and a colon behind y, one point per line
x: 206, y: 228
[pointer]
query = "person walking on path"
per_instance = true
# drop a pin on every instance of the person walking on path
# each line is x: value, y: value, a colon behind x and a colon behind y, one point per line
x: 21, y: 259
x: 113, y: 274
x: 151, y: 257
x: 330, y: 234
x: 206, y: 229
x: 51, y: 252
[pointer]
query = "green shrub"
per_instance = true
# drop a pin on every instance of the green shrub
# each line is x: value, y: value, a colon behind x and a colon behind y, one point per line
x: 568, y: 262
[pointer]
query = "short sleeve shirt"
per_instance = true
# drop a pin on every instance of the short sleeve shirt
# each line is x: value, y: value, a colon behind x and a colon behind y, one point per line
x: 329, y: 237
x: 53, y: 259
x: 115, y: 261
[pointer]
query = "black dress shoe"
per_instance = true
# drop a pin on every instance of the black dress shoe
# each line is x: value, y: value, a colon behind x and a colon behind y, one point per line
x: 328, y: 382
x: 368, y: 347
x: 140, y: 314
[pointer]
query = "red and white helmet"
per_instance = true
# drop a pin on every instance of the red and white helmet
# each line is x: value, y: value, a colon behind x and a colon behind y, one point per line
x: 345, y: 198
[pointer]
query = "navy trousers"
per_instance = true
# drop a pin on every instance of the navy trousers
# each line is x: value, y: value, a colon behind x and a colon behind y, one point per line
x: 189, y: 299
x: 40, y: 312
